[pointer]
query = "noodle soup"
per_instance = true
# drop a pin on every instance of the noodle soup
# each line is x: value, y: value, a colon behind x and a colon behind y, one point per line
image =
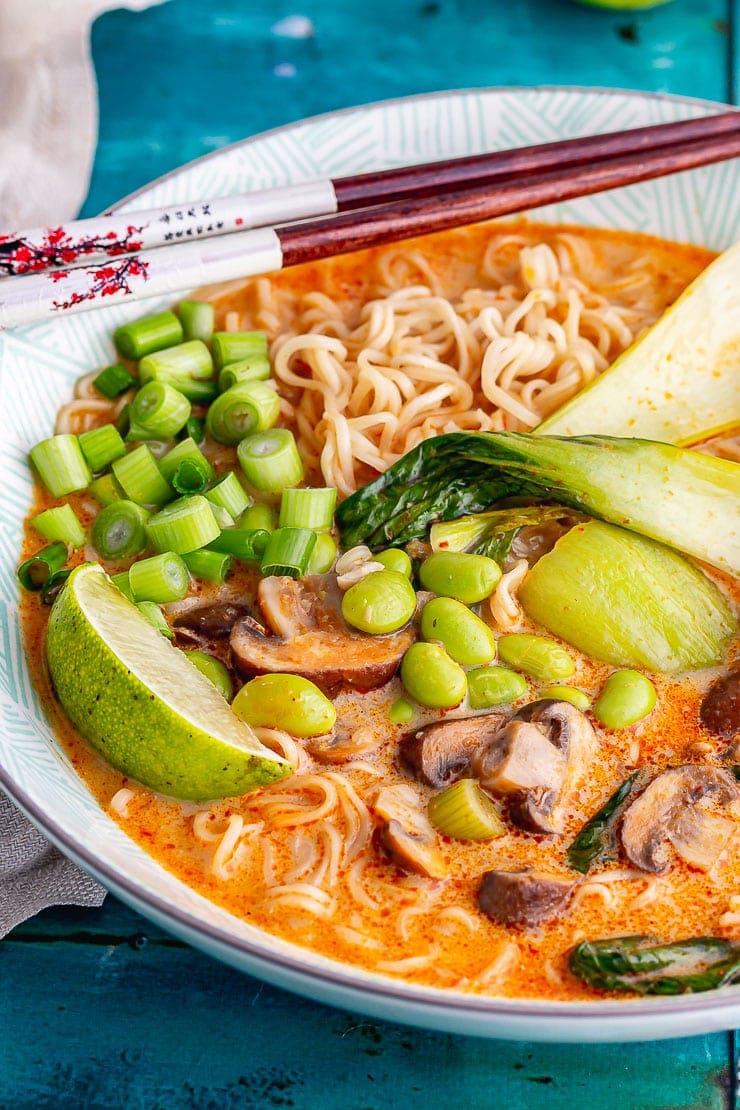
x: 489, y: 328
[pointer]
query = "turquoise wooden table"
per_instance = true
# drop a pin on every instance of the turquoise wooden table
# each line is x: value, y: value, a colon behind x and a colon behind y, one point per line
x: 101, y: 1009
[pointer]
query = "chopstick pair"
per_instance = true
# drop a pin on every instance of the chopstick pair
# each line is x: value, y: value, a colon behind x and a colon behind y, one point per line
x: 204, y: 242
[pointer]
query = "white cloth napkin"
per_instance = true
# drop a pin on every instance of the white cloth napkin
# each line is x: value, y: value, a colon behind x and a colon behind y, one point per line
x: 48, y: 131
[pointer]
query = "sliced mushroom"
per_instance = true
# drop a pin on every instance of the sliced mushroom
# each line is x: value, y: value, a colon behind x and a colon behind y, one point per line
x: 407, y: 834
x: 440, y: 753
x: 720, y: 708
x: 211, y: 622
x: 535, y: 758
x: 678, y: 812
x: 343, y: 744
x: 523, y: 897
x: 311, y: 638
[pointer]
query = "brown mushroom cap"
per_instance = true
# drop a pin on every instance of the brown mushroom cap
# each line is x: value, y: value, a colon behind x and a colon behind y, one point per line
x: 440, y: 753
x: 343, y: 744
x: 210, y: 622
x: 407, y: 834
x: 677, y: 812
x: 533, y: 758
x: 522, y: 897
x: 720, y: 707
x: 312, y: 639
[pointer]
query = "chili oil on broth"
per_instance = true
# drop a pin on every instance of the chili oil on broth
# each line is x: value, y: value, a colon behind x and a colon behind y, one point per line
x: 307, y: 867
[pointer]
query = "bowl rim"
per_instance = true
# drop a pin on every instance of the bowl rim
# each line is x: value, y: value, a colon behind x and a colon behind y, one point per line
x: 332, y: 974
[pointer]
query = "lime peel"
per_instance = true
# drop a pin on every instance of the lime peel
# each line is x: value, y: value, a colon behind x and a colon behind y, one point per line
x: 140, y: 702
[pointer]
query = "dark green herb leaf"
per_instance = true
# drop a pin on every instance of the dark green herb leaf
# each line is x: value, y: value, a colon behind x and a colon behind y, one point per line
x: 597, y: 840
x: 639, y: 964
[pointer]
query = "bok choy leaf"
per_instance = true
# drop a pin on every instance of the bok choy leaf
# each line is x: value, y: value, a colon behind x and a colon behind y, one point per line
x: 685, y: 499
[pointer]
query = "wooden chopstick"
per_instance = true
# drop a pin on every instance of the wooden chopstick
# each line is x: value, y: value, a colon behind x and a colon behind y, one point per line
x: 82, y: 242
x: 262, y: 250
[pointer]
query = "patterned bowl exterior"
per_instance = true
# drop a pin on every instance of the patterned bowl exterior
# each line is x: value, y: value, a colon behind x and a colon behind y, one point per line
x: 38, y: 366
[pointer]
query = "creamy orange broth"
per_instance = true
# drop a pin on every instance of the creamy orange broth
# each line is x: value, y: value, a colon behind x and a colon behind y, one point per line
x: 682, y: 903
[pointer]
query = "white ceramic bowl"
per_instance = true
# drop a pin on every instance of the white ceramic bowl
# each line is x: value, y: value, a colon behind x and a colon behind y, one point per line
x: 38, y: 366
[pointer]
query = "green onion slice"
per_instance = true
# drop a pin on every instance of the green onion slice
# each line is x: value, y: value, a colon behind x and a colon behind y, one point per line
x: 60, y: 465
x: 156, y: 617
x: 464, y: 812
x: 246, y: 408
x: 197, y: 319
x: 60, y: 523
x: 124, y: 585
x: 230, y: 495
x: 158, y: 411
x: 288, y: 552
x: 34, y: 573
x: 102, y: 446
x: 208, y: 566
x: 214, y: 670
x: 323, y: 555
x: 105, y: 489
x: 162, y: 578
x: 53, y: 585
x: 184, y: 525
x: 270, y: 460
x: 113, y: 381
x: 259, y: 516
x: 234, y: 346
x: 251, y: 369
x: 140, y: 478
x: 187, y: 360
x: 150, y: 333
x: 308, y: 508
x: 243, y: 543
x: 118, y: 531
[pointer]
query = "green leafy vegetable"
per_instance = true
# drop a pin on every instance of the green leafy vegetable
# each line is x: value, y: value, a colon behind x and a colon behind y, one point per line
x: 687, y: 500
x: 597, y: 840
x: 627, y: 600
x: 493, y: 533
x: 638, y: 963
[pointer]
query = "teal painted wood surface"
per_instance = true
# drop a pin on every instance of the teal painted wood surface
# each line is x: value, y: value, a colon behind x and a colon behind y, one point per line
x: 99, y: 1009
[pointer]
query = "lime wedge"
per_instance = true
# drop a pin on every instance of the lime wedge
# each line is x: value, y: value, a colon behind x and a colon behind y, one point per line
x: 678, y: 382
x: 140, y: 701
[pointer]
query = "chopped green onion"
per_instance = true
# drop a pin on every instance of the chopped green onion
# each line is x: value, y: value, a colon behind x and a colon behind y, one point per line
x: 34, y: 573
x: 60, y: 465
x: 186, y: 360
x: 184, y: 525
x: 235, y: 346
x: 199, y: 392
x: 60, y: 523
x: 308, y: 508
x: 288, y: 552
x: 208, y: 566
x: 230, y: 495
x: 214, y: 670
x: 224, y: 519
x: 140, y: 478
x: 158, y: 411
x: 270, y: 460
x: 53, y: 585
x: 464, y: 812
x: 118, y: 531
x: 242, y: 543
x: 105, y: 489
x: 101, y: 446
x: 186, y: 468
x: 124, y: 585
x: 162, y: 578
x: 242, y: 410
x: 155, y: 616
x: 323, y: 555
x: 259, y: 516
x: 150, y: 333
x: 113, y: 381
x: 255, y: 368
x: 195, y: 429
x: 123, y: 421
x: 197, y: 319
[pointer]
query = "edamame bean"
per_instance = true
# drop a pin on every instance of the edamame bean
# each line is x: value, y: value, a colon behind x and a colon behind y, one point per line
x: 285, y: 701
x: 382, y: 602
x: 463, y: 635
x: 566, y: 693
x: 494, y: 686
x: 457, y: 574
x: 432, y: 678
x: 626, y: 698
x: 394, y: 558
x: 536, y: 656
x: 401, y: 712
